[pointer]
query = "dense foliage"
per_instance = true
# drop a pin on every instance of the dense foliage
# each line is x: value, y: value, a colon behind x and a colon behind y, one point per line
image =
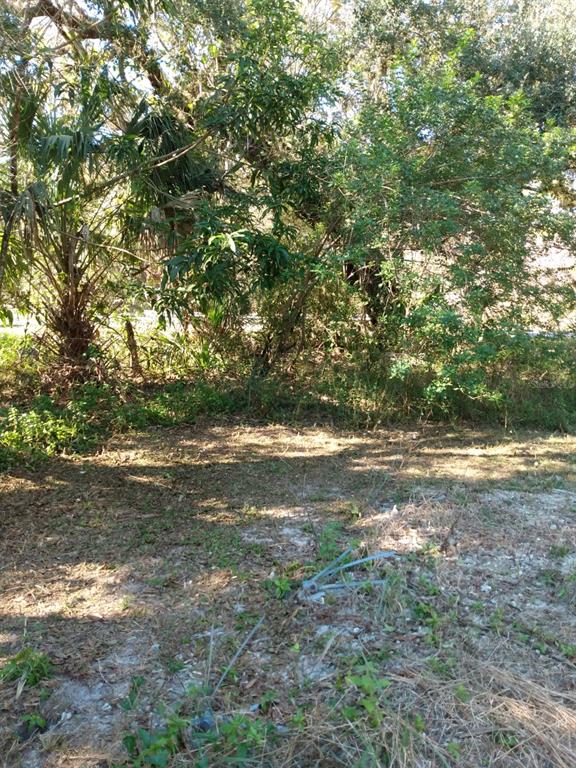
x: 368, y: 204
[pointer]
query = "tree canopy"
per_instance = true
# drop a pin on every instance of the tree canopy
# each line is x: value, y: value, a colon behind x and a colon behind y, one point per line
x: 385, y: 177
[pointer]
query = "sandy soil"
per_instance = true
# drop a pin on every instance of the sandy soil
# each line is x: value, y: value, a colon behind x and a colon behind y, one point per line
x: 140, y: 571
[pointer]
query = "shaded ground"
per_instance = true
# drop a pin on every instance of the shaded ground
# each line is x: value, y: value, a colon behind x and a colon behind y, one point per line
x: 139, y: 572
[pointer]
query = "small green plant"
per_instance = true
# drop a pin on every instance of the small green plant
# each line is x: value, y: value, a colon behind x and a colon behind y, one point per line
x: 241, y: 736
x: 33, y: 723
x: 568, y: 649
x: 542, y: 640
x: 462, y: 693
x: 427, y: 587
x: 298, y: 719
x: 365, y: 678
x: 267, y: 699
x: 497, y: 621
x: 567, y: 589
x: 352, y: 511
x: 443, y: 667
x: 153, y: 749
x: 428, y: 615
x: 28, y: 665
x: 175, y: 665
x: 418, y: 723
x: 550, y: 577
x: 430, y: 554
x: 505, y: 739
x: 279, y: 586
x: 453, y: 748
x: 559, y: 551
x: 245, y: 620
x: 328, y: 546
x: 130, y: 701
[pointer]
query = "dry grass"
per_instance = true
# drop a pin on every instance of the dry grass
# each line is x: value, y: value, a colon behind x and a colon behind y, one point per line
x: 152, y: 561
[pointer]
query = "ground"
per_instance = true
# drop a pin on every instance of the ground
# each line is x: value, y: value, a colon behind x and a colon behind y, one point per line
x: 158, y: 586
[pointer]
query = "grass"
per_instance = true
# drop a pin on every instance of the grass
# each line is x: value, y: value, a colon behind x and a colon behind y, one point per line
x: 28, y: 667
x: 45, y: 426
x: 155, y: 559
x: 35, y: 423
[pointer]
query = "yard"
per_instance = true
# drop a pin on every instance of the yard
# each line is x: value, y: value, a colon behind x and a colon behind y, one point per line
x: 153, y: 614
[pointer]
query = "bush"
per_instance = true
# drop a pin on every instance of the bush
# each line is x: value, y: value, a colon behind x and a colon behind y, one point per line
x: 453, y: 370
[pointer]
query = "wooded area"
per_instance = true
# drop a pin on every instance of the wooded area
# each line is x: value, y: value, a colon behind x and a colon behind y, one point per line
x: 366, y: 206
x: 283, y: 284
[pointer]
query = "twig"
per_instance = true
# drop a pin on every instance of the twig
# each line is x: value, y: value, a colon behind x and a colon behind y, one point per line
x: 238, y: 654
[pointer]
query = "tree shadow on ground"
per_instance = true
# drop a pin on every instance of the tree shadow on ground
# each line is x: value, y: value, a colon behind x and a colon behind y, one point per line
x: 152, y: 543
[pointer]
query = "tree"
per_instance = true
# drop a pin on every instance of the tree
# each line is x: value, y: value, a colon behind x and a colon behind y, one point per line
x: 447, y: 191
x: 190, y: 112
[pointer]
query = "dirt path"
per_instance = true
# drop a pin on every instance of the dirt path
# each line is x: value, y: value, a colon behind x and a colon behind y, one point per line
x: 139, y: 572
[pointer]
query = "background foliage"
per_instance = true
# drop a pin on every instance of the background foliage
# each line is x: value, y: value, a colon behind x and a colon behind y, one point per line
x: 360, y: 209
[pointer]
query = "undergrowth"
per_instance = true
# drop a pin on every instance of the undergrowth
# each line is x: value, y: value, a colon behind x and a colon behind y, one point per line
x: 35, y: 423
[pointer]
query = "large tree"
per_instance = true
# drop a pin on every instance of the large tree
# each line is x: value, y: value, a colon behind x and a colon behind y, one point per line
x: 152, y: 123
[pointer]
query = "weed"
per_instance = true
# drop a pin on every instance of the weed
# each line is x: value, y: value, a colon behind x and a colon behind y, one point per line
x: 454, y: 749
x: 279, y: 586
x: 31, y: 725
x: 175, y: 665
x: 497, y: 623
x: 159, y: 581
x: 155, y: 748
x: 559, y: 551
x: 462, y: 693
x: 505, y: 739
x: 352, y: 511
x: 431, y: 554
x: 245, y: 620
x: 317, y: 498
x: 29, y: 666
x: 298, y: 719
x: 130, y: 701
x: 550, y: 577
x: 443, y: 667
x: 233, y: 742
x: 568, y: 649
x: 241, y: 736
x: 428, y: 587
x: 427, y: 615
x: 391, y: 597
x: 366, y: 679
x: 34, y: 720
x: 418, y: 723
x: 542, y: 640
x: 328, y: 546
x: 266, y: 701
x: 567, y: 589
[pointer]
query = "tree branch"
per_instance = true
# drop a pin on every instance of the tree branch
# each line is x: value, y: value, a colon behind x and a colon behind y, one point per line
x: 76, y: 26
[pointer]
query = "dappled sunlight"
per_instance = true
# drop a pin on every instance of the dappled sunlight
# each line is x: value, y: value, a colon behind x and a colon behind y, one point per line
x: 211, y: 583
x: 167, y: 547
x: 527, y: 715
x: 81, y: 590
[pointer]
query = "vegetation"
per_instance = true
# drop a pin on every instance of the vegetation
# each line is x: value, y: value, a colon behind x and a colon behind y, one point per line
x: 29, y: 667
x: 383, y: 195
x: 249, y: 212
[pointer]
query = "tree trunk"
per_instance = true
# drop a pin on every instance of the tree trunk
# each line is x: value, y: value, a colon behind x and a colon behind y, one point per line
x: 132, y: 348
